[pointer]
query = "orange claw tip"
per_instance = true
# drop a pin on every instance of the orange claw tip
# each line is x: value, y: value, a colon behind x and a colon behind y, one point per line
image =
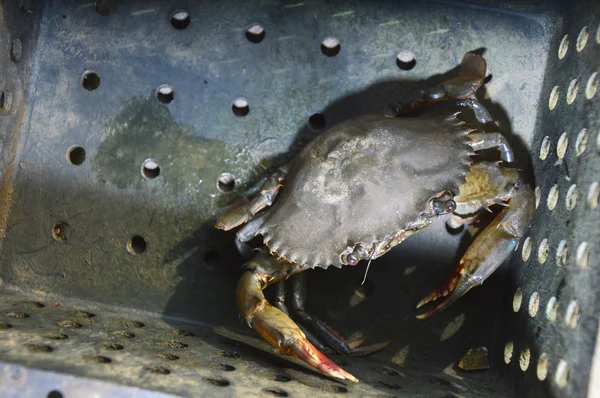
x: 307, y: 352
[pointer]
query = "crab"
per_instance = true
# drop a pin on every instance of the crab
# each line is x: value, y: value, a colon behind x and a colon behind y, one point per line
x: 361, y: 188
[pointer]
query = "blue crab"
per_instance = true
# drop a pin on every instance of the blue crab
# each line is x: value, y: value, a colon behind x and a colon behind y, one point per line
x: 361, y: 188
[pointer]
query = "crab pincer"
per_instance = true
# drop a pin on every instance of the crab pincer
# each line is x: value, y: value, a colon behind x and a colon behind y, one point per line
x: 487, y: 252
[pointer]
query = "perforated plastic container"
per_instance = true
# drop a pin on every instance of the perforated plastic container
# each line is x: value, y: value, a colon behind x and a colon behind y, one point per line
x: 126, y: 128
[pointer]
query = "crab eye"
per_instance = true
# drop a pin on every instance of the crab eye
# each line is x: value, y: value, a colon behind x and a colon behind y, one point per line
x: 450, y: 206
x: 352, y: 259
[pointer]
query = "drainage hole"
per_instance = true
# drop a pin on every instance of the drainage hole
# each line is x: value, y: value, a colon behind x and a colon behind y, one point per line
x: 104, y: 7
x: 593, y: 195
x: 18, y: 315
x: 388, y: 371
x: 16, y: 50
x: 184, y: 333
x: 61, y: 231
x: 534, y: 304
x: 563, y: 47
x: 224, y: 367
x: 572, y: 314
x: 561, y: 147
x: 136, y: 245
x: 255, y: 33
x: 276, y: 392
x: 582, y: 255
x: 391, y: 386
x: 339, y: 389
x: 83, y: 314
x: 98, y: 359
x: 571, y: 199
x: 545, y: 148
x: 39, y: 348
x: 581, y: 143
x: 542, y: 367
x: 552, y: 197
x: 180, y: 19
x: 167, y: 356
x: 524, y: 359
x: 330, y: 46
x: 526, y: 251
x: 282, y: 378
x: 5, y: 325
x: 68, y: 324
x: 316, y: 121
x: 508, y: 352
x: 174, y: 344
x: 562, y: 373
x: 5, y: 101
x: 54, y: 394
x: 552, y: 309
x: 572, y: 91
x: 229, y: 354
x: 517, y: 299
x: 592, y: 85
x: 554, y: 94
x: 111, y: 346
x: 217, y: 382
x: 159, y: 370
x: 543, y: 251
x: 123, y: 333
x: 150, y: 169
x: 165, y: 94
x: 240, y: 107
x: 76, y: 155
x: 56, y: 336
x: 226, y: 182
x: 90, y: 80
x: 561, y: 253
x: 406, y: 60
x: 133, y: 324
x: 582, y: 39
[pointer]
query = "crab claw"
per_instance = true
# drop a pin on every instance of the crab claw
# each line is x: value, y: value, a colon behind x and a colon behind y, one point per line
x: 487, y: 252
x: 274, y: 325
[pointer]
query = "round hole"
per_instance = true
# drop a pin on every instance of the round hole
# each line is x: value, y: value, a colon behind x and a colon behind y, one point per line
x: 508, y: 352
x: 517, y: 300
x: 582, y: 38
x: 76, y: 155
x: 330, y: 47
x: 581, y: 143
x: 16, y: 50
x: 542, y: 367
x: 545, y: 148
x: 276, y: 392
x: 61, y: 231
x: 552, y: 197
x: 5, y: 101
x: 98, y: 359
x: 165, y: 94
x: 240, y: 107
x: 593, y: 195
x: 225, y: 367
x: 534, y: 304
x: 226, y: 183
x: 572, y: 314
x: 406, y: 60
x: 255, y: 33
x: 217, y: 382
x: 136, y: 245
x: 316, y: 121
x: 543, y: 251
x: 582, y: 255
x: 563, y: 47
x: 561, y: 147
x: 552, y: 309
x: 562, y: 373
x: 572, y: 91
x: 524, y: 359
x: 180, y: 19
x: 561, y: 253
x: 554, y: 94
x: 54, y: 394
x: 159, y: 370
x: 526, y: 251
x: 592, y: 85
x: 571, y: 199
x: 104, y: 7
x: 150, y: 169
x: 90, y: 80
x: 538, y: 195
x: 111, y: 346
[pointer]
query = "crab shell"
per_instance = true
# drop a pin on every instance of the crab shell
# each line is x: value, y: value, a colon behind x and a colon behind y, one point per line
x: 365, y: 181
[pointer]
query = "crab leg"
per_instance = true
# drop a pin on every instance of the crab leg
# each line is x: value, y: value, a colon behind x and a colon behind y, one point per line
x: 272, y: 324
x: 240, y: 213
x: 487, y: 252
